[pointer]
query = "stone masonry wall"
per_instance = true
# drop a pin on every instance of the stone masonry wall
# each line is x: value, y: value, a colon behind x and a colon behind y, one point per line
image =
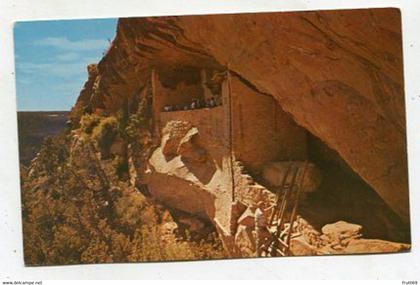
x: 261, y: 131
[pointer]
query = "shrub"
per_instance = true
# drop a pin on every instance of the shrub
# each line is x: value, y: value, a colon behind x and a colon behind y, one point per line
x: 136, y: 122
x: 138, y: 132
x: 121, y: 167
x: 105, y: 133
x: 88, y: 122
x: 53, y: 153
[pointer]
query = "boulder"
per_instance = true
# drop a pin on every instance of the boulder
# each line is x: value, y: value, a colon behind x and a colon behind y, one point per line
x: 299, y: 247
x: 342, y: 228
x: 245, y: 241
x: 192, y: 224
x: 375, y: 246
x: 172, y: 135
x: 340, y: 233
x: 189, y: 149
x: 274, y: 174
x: 247, y: 218
x: 170, y: 228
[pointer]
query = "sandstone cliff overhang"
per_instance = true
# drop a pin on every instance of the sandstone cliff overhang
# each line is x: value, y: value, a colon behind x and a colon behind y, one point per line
x: 337, y: 73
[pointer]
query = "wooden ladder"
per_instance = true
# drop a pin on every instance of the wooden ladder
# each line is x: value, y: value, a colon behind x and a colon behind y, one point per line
x: 288, y: 193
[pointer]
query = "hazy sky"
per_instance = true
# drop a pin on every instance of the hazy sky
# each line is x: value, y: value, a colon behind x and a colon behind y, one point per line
x: 51, y: 59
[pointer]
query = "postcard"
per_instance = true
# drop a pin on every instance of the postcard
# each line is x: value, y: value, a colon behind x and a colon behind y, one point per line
x: 212, y: 136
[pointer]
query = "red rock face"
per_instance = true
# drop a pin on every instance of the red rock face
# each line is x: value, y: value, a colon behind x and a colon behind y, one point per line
x: 88, y: 89
x: 337, y: 73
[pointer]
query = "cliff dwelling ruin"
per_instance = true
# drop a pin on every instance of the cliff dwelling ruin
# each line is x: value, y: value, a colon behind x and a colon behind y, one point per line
x: 224, y: 149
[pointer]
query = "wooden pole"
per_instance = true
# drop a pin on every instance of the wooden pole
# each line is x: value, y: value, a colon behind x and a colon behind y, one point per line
x: 232, y: 173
